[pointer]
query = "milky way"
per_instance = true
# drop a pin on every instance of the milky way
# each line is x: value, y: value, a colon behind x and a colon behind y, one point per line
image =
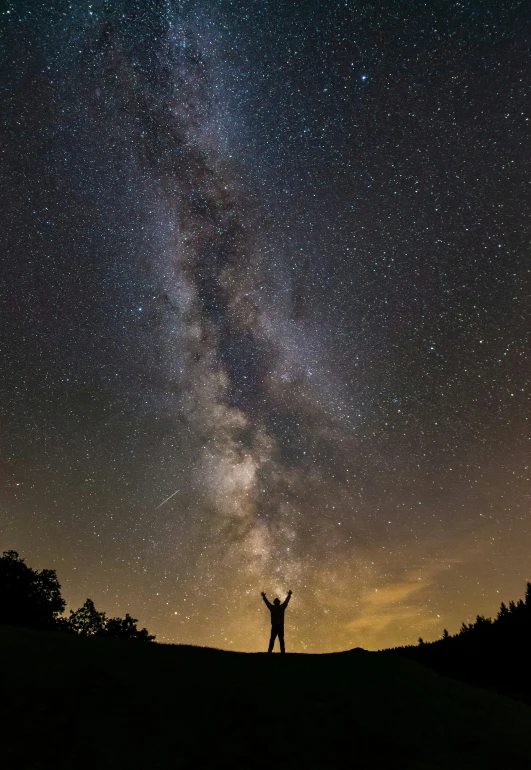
x: 266, y: 296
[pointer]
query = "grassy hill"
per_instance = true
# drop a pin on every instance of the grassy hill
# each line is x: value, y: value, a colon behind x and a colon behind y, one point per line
x: 71, y: 702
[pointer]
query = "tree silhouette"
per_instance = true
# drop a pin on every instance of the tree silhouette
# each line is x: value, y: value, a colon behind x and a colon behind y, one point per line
x: 492, y: 653
x: 503, y: 611
x: 87, y: 621
x: 125, y: 628
x: 30, y: 598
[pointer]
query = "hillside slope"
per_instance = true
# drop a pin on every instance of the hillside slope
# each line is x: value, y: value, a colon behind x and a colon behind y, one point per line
x: 71, y: 702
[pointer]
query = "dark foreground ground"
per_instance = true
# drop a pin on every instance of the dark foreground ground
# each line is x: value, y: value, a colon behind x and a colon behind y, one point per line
x: 70, y: 702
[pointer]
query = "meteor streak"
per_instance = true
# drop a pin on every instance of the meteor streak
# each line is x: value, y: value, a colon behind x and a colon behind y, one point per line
x: 168, y: 498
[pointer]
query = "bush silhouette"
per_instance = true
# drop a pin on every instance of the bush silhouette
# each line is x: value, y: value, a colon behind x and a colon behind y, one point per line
x: 125, y: 628
x: 87, y: 621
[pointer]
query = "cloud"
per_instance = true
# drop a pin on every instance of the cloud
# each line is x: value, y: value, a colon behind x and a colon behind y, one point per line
x: 401, y: 604
x: 392, y: 618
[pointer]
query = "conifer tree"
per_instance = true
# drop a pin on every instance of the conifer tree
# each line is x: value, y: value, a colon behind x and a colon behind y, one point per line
x: 503, y: 612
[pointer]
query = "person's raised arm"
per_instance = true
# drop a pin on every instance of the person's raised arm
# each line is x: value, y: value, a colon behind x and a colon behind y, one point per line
x: 286, y: 600
x: 264, y: 597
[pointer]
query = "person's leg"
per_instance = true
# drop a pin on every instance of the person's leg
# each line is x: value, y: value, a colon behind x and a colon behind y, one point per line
x: 281, y: 638
x: 272, y: 638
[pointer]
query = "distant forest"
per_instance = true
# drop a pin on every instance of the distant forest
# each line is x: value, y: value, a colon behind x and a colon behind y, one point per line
x: 32, y: 599
x: 489, y: 653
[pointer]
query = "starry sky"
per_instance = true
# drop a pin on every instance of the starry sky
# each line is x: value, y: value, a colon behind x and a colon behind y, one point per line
x: 265, y: 312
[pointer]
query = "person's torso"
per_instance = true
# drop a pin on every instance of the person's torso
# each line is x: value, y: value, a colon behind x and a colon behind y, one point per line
x: 277, y: 615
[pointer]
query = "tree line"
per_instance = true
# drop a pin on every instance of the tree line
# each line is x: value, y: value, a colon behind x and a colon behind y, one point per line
x: 492, y: 652
x: 32, y: 599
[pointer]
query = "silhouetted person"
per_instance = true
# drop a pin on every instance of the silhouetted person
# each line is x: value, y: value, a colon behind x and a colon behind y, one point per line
x: 277, y: 620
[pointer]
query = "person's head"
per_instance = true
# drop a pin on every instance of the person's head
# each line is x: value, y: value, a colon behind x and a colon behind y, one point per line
x: 276, y: 601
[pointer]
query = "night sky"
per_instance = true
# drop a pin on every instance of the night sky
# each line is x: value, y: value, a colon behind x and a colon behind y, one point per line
x: 270, y: 259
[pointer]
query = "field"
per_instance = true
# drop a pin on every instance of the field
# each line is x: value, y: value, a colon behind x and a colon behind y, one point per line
x: 71, y: 702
